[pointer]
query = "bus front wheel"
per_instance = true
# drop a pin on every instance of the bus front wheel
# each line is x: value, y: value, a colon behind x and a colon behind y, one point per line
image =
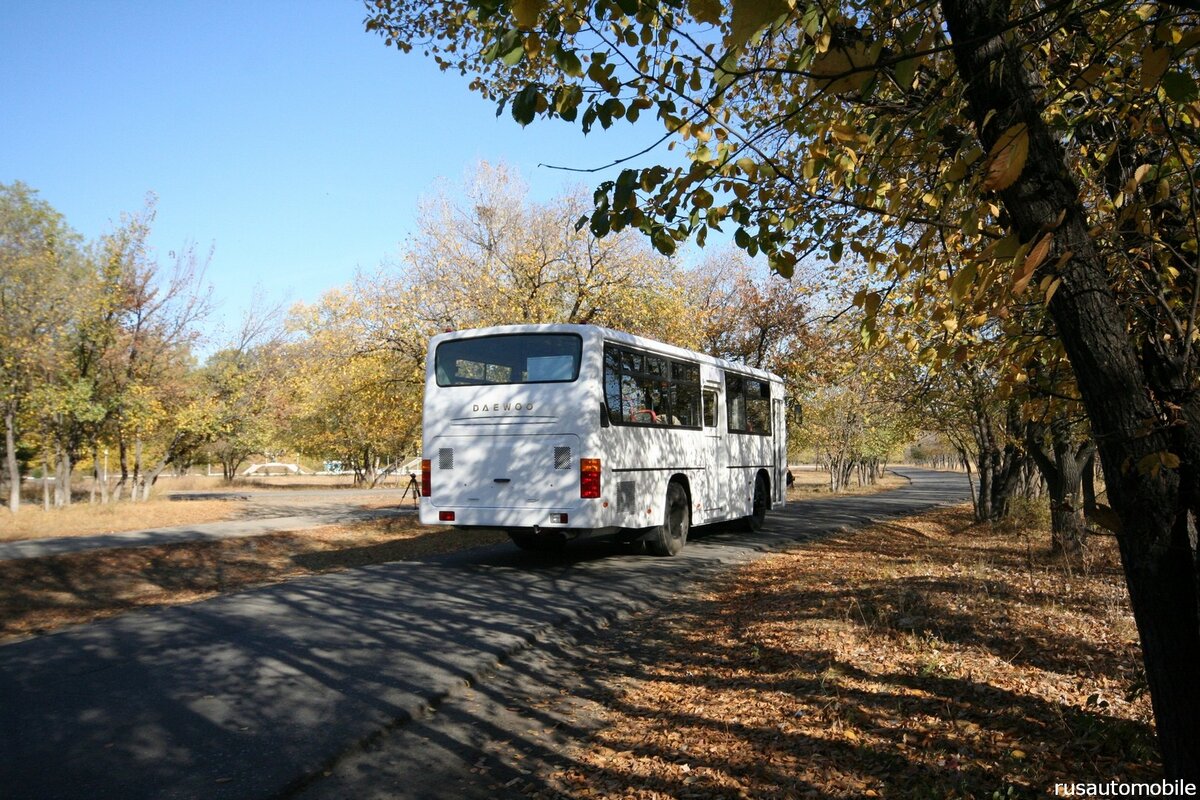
x: 668, y: 539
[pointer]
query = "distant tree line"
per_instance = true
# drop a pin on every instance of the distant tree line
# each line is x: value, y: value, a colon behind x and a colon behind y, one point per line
x: 99, y: 340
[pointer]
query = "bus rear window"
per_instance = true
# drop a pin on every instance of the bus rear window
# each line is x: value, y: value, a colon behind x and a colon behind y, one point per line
x: 508, y: 359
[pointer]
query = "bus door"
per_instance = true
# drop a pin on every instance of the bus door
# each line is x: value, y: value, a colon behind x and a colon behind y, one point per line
x: 716, y: 460
x: 779, y: 449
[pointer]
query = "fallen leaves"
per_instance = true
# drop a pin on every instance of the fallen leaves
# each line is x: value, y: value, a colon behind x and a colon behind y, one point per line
x: 925, y: 657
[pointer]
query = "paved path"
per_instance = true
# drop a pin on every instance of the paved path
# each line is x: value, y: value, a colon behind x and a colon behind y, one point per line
x: 259, y: 694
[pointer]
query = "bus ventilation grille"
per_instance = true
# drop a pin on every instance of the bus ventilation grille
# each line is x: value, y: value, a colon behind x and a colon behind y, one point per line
x: 625, y: 497
x: 446, y: 458
x: 562, y: 458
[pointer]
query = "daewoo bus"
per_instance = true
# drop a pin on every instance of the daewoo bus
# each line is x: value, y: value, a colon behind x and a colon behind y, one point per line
x: 551, y: 432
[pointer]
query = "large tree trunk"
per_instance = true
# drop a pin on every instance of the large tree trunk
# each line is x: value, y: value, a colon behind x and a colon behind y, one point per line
x: 1159, y: 561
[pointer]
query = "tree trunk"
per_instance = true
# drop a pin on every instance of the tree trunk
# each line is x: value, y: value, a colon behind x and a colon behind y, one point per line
x: 123, y: 462
x: 1062, y: 467
x: 10, y: 459
x: 68, y: 465
x: 1160, y: 564
x: 135, y: 492
x: 983, y: 504
x: 45, y: 479
x: 104, y: 480
x: 966, y: 462
x: 1066, y: 505
x: 62, y: 478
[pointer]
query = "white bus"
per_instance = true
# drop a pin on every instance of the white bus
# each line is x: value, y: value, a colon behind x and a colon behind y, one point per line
x: 551, y: 432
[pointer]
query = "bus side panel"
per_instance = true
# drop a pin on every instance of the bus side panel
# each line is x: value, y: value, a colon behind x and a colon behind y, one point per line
x: 641, y: 462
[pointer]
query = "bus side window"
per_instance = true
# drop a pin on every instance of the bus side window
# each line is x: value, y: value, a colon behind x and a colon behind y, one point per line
x: 735, y: 402
x: 710, y: 408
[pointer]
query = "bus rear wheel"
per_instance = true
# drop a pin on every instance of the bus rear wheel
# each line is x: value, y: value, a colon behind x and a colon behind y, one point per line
x: 762, y: 502
x: 668, y: 539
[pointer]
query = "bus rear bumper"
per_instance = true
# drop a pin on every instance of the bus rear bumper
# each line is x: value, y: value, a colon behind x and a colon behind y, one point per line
x: 565, y: 519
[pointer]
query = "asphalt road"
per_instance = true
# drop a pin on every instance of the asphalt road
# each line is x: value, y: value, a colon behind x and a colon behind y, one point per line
x: 266, y: 693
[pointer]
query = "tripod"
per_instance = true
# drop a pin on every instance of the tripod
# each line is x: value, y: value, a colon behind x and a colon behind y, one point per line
x: 412, y: 490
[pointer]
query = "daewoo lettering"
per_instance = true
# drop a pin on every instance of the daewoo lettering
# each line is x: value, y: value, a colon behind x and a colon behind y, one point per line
x: 502, y: 407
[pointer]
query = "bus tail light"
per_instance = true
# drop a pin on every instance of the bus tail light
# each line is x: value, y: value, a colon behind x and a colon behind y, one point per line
x: 589, y: 478
x: 426, y: 477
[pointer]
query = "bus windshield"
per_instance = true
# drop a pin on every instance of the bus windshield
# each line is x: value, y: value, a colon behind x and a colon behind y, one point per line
x: 509, y: 359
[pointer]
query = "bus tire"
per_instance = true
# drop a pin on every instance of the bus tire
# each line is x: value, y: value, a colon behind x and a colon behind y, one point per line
x: 762, y: 502
x: 668, y: 539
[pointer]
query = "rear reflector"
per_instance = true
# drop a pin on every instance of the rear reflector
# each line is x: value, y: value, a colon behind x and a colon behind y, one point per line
x: 426, y: 477
x: 589, y: 478
x: 445, y: 516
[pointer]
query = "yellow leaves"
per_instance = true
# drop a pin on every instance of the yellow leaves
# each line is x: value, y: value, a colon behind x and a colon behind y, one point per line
x: 750, y: 17
x: 1032, y: 261
x: 1103, y: 516
x: 1049, y: 286
x: 1006, y: 158
x: 868, y: 301
x: 1154, y: 63
x: 1137, y: 179
x: 708, y: 11
x: 958, y: 170
x: 1154, y: 463
x: 844, y: 69
x: 963, y: 280
x: 526, y: 12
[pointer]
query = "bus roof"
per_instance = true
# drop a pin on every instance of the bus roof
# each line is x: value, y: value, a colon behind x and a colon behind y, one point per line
x: 606, y: 334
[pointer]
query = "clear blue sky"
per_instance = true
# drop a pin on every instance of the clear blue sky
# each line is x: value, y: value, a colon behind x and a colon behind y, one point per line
x: 279, y: 132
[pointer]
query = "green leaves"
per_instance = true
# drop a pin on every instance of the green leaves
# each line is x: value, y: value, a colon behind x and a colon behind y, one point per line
x: 525, y: 104
x: 1180, y: 86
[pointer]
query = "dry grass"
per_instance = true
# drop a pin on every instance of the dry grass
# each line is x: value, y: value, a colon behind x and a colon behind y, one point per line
x: 38, y: 595
x: 31, y: 522
x: 924, y: 658
x: 809, y: 482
